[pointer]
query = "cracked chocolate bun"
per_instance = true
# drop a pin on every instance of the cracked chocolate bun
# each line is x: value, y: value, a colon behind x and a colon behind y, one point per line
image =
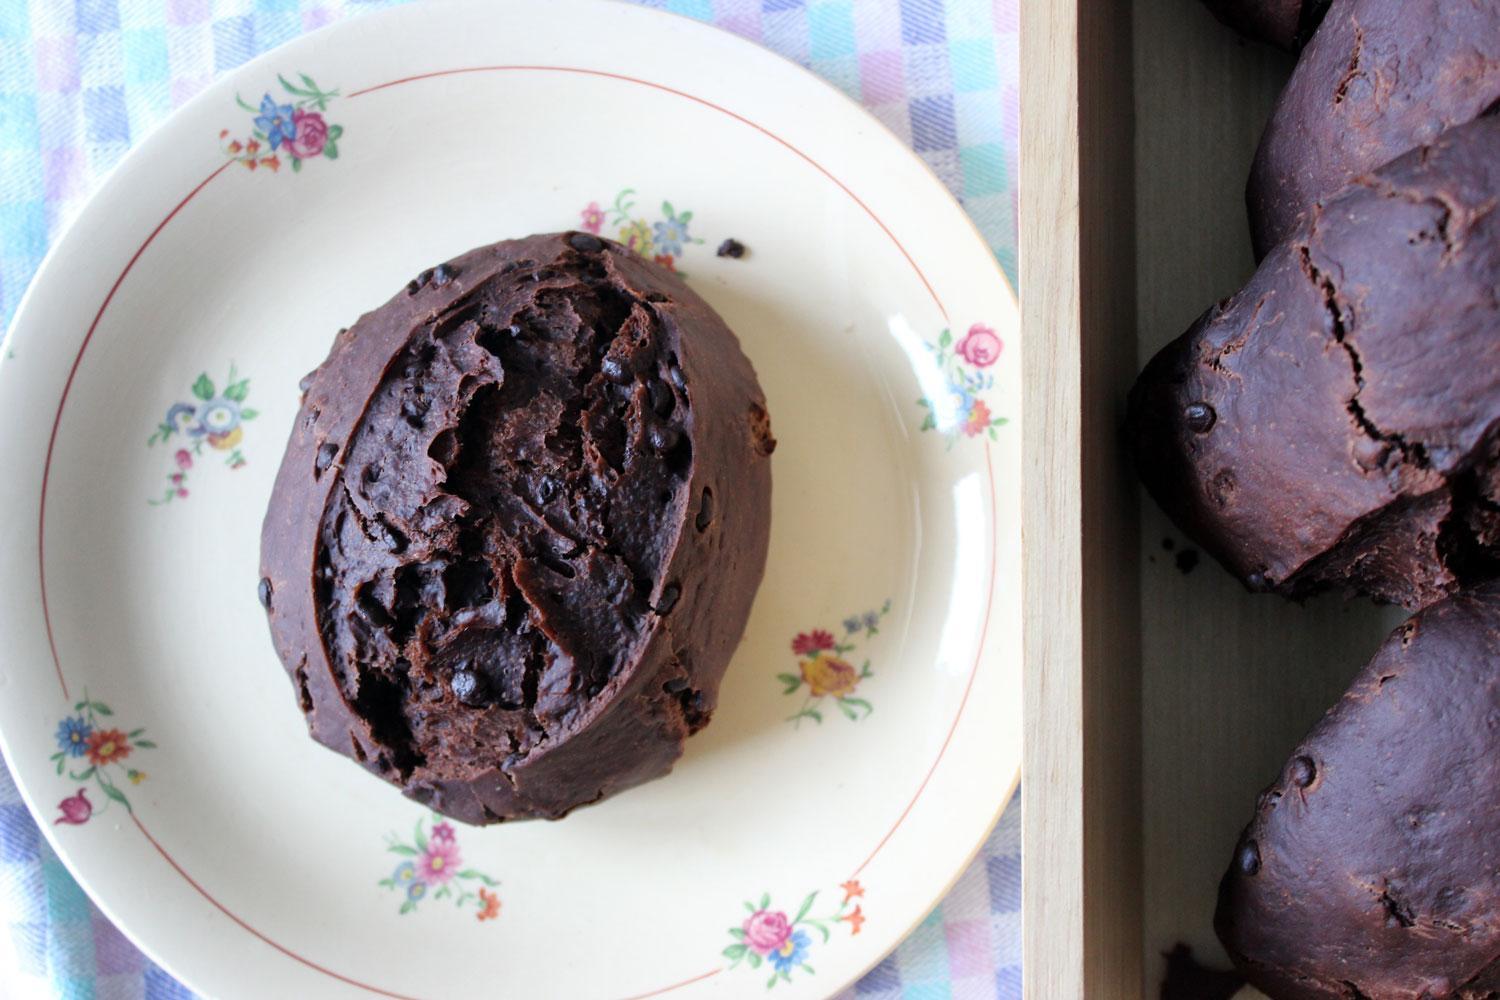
x: 1286, y: 24
x: 1378, y: 78
x: 518, y: 528
x: 1337, y: 421
x: 1372, y: 867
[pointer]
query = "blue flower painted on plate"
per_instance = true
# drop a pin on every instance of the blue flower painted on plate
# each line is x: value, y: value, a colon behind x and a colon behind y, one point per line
x: 180, y: 416
x: 276, y: 122
x: 416, y: 891
x: 792, y: 953
x: 671, y: 234
x: 405, y: 872
x: 217, y: 416
x: 852, y: 625
x: 73, y: 735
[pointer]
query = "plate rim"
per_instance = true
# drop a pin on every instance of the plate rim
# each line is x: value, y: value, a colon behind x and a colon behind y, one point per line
x: 142, y: 148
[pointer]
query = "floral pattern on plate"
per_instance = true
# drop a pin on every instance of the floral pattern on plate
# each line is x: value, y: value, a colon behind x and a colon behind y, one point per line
x: 214, y: 417
x: 769, y: 936
x: 963, y: 411
x: 290, y: 125
x: 431, y: 866
x: 83, y: 739
x: 664, y: 241
x: 825, y: 672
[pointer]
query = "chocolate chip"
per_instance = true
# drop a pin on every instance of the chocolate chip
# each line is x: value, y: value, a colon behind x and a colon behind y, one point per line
x: 669, y: 595
x: 468, y: 687
x: 615, y: 369
x: 1258, y: 582
x: 675, y: 374
x: 440, y: 275
x: 327, y: 452
x: 1302, y: 771
x: 1200, y: 417
x: 663, y: 437
x: 676, y: 685
x: 705, y: 509
x: 547, y: 488
x: 264, y: 591
x: 1247, y: 858
x: 731, y: 248
x: 662, y: 400
x: 372, y: 473
x: 585, y: 242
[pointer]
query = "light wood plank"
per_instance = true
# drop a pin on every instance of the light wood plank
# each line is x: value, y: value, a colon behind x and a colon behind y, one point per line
x: 1081, y: 792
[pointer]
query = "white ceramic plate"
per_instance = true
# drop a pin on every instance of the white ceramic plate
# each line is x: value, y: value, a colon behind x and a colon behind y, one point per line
x: 869, y: 729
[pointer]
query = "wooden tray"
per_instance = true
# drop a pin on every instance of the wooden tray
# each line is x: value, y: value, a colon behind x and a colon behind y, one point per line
x: 1158, y: 702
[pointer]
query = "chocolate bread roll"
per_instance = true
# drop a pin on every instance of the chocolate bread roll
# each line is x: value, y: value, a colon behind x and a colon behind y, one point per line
x: 1378, y: 78
x: 518, y: 528
x: 1286, y: 24
x: 1372, y: 866
x: 1335, y: 421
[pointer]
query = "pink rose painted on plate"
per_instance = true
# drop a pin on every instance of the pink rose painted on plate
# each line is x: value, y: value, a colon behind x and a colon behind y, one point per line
x: 286, y: 128
x: 957, y: 408
x: 770, y: 937
x: 310, y: 134
x: 765, y: 931
x: 980, y: 347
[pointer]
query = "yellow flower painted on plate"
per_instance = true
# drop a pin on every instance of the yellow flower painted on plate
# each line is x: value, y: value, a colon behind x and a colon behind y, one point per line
x: 827, y: 674
x: 636, y: 234
x: 223, y: 442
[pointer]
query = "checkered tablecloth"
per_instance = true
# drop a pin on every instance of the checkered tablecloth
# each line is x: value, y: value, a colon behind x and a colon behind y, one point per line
x: 80, y: 80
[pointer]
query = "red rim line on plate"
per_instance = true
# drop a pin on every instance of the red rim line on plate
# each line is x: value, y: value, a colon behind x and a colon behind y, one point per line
x: 676, y: 986
x: 705, y: 102
x: 98, y: 316
x: 41, y: 525
x: 231, y: 915
x: 984, y: 631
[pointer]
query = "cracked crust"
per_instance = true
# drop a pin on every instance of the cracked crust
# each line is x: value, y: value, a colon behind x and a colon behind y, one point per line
x: 1355, y: 437
x: 518, y: 528
x: 1372, y: 866
x: 1377, y: 79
